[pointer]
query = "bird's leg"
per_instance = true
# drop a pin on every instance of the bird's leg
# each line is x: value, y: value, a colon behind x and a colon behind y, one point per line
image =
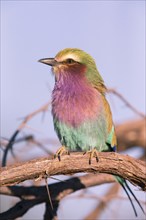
x: 92, y: 153
x: 60, y: 151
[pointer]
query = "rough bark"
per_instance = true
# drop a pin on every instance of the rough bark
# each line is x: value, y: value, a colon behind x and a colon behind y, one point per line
x: 111, y: 163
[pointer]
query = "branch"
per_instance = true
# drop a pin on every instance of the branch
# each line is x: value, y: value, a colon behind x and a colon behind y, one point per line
x: 128, y: 104
x: 85, y: 181
x: 104, y: 202
x: 131, y: 133
x: 112, y: 163
x: 19, y: 209
x: 34, y: 195
x: 21, y: 126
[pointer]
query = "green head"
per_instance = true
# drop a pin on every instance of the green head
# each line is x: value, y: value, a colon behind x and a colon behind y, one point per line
x: 76, y: 60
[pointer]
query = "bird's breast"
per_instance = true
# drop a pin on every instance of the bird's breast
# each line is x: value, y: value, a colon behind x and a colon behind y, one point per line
x: 74, y: 106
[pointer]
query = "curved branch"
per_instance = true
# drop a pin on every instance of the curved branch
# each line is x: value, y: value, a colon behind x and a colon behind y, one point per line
x: 112, y: 163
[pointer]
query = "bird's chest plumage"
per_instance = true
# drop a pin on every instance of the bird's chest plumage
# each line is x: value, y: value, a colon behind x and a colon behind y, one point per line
x: 74, y: 104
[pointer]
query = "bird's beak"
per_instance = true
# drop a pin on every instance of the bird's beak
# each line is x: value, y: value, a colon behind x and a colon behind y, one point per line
x: 48, y: 61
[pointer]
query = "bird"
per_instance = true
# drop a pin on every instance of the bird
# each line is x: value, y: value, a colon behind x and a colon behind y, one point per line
x: 81, y: 113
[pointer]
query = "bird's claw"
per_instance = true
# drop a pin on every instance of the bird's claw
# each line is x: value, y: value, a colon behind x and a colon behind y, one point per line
x: 61, y: 151
x: 92, y: 153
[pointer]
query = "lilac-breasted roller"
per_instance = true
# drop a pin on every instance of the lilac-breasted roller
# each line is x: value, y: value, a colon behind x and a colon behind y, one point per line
x: 81, y: 113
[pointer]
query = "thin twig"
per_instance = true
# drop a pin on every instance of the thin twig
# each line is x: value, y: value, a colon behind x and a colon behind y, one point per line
x: 48, y: 191
x: 119, y: 95
x: 21, y: 126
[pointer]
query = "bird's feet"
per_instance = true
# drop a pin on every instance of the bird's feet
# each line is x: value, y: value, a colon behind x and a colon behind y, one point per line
x: 92, y: 153
x: 60, y: 151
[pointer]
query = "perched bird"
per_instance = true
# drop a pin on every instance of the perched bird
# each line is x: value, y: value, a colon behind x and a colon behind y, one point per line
x: 81, y: 114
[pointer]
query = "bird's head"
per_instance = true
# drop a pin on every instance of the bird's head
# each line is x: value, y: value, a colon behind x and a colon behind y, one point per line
x: 73, y: 61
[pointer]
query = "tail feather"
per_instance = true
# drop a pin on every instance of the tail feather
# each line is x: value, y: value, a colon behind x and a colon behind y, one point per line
x: 134, y: 197
x: 129, y: 198
x: 127, y: 190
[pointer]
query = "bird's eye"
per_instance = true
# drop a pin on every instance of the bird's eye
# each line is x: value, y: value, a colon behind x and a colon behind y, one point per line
x: 69, y: 61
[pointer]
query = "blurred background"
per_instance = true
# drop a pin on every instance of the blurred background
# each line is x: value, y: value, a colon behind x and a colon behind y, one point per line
x: 113, y: 32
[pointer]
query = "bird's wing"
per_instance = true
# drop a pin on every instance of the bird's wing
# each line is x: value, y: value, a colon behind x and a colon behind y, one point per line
x: 111, y: 135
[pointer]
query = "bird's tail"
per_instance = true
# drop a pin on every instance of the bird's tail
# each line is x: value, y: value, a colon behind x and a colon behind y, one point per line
x: 128, y: 191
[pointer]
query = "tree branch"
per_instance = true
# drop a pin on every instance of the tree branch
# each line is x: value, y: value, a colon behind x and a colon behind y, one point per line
x: 131, y: 133
x: 21, y: 126
x: 112, y: 163
x: 34, y: 195
x: 104, y: 202
x: 128, y: 104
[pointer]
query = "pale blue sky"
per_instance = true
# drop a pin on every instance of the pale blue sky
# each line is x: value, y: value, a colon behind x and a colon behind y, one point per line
x: 113, y: 32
